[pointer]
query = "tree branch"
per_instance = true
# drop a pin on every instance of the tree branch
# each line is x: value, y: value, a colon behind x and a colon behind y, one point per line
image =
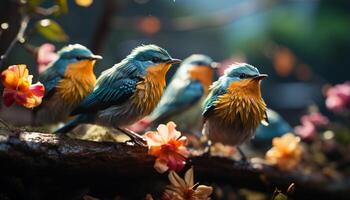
x: 103, y: 26
x: 103, y: 164
x: 18, y: 37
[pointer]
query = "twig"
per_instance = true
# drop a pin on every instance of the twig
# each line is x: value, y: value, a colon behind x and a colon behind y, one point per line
x: 18, y: 37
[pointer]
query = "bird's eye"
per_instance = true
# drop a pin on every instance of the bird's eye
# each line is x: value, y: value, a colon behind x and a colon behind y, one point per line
x: 79, y: 58
x: 242, y: 76
x: 156, y: 60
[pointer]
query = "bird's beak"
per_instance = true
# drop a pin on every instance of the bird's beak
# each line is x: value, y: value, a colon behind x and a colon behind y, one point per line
x: 260, y: 76
x: 173, y: 61
x: 95, y: 57
x: 214, y: 65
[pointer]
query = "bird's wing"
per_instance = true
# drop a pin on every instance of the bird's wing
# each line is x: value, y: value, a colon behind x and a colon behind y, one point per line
x: 50, y: 78
x: 105, y: 96
x: 209, y: 104
x: 177, y: 97
x: 114, y: 86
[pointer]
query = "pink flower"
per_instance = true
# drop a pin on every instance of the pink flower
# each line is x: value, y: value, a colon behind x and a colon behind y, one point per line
x: 18, y: 87
x: 338, y: 98
x: 316, y: 119
x: 307, y: 131
x: 45, y: 55
x: 309, y: 123
x: 168, y: 146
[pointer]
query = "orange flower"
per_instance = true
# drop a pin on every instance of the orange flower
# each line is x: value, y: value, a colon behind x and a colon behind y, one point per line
x: 286, y: 152
x: 18, y: 87
x: 185, y: 189
x: 168, y: 146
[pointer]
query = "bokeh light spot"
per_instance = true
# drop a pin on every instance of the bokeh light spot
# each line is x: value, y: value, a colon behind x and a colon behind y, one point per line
x: 84, y: 3
x: 149, y: 25
x: 4, y: 26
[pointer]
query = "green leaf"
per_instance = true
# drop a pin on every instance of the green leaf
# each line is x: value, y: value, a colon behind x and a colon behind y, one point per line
x: 51, y: 30
x: 63, y: 5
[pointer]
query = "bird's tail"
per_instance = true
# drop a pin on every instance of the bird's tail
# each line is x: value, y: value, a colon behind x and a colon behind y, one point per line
x: 72, y: 124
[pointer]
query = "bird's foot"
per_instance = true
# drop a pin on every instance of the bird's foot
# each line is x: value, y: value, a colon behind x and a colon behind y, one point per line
x: 243, y: 156
x: 135, y: 137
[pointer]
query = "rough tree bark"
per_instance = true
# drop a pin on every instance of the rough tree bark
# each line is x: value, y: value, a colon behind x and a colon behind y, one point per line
x: 40, y: 166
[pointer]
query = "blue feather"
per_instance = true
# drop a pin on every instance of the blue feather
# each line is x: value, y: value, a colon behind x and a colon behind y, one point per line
x: 180, y: 99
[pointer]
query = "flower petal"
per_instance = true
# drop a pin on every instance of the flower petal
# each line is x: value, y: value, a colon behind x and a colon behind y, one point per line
x: 172, y: 132
x: 154, y: 150
x: 183, y: 151
x: 32, y: 101
x: 9, y: 96
x: 175, y: 162
x: 163, y: 132
x: 176, y: 180
x: 37, y: 89
x: 21, y: 69
x: 203, y: 191
x: 161, y: 165
x: 153, y: 138
x: 9, y: 79
x: 189, y: 177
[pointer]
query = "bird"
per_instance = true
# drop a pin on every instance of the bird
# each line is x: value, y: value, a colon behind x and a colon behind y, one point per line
x: 182, y: 100
x: 126, y: 92
x: 234, y: 107
x: 67, y: 80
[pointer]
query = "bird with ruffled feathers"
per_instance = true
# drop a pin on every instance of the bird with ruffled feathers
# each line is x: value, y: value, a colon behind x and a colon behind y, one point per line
x: 67, y: 80
x: 234, y: 107
x: 126, y: 92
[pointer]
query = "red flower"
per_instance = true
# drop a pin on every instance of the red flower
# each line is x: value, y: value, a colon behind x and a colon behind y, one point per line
x: 18, y: 87
x: 168, y: 146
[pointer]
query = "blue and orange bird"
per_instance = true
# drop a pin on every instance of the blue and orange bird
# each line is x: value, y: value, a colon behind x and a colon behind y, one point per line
x: 183, y: 99
x: 67, y: 80
x: 234, y: 107
x: 126, y: 92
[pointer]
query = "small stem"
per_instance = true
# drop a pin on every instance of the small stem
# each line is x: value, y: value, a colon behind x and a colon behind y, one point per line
x: 19, y: 37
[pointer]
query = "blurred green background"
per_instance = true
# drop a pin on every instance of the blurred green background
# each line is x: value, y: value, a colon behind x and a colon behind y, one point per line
x: 302, y: 45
